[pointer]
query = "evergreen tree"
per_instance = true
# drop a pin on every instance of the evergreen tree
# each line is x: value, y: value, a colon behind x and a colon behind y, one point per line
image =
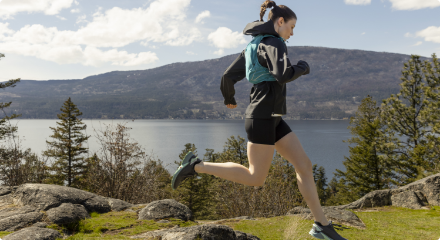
x: 196, y: 192
x: 68, y: 146
x: 411, y: 115
x: 431, y: 116
x: 367, y: 169
x: 5, y: 128
x: 321, y: 182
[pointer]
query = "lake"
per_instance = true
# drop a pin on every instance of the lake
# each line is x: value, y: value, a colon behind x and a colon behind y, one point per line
x: 165, y: 139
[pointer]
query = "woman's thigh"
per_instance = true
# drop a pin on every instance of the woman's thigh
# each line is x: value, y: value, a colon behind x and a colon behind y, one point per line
x: 260, y: 157
x: 291, y: 149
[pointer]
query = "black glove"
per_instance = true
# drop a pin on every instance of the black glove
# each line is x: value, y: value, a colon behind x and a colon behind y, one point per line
x: 304, y: 66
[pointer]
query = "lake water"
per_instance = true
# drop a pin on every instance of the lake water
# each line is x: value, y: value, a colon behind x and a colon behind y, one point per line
x: 322, y: 140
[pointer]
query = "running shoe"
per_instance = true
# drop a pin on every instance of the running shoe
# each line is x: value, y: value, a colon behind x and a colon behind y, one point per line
x: 185, y: 170
x: 325, y: 232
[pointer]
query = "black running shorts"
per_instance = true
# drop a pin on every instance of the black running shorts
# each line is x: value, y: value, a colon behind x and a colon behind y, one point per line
x: 266, y: 131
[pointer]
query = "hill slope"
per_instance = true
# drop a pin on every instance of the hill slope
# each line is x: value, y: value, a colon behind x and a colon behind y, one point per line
x: 339, y: 79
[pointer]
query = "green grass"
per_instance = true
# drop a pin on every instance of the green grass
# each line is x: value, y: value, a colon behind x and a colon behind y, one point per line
x: 382, y: 223
x: 2, y: 234
x: 387, y: 223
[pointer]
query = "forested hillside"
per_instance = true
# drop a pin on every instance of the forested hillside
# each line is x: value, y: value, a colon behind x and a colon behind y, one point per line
x: 339, y: 79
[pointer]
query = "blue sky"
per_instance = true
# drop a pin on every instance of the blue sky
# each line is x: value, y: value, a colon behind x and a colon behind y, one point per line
x: 73, y: 39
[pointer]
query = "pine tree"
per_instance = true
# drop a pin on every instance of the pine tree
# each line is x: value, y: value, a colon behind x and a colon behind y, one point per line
x: 68, y: 146
x: 431, y: 116
x: 321, y: 182
x: 367, y: 169
x: 196, y: 192
x: 5, y: 128
x: 411, y: 115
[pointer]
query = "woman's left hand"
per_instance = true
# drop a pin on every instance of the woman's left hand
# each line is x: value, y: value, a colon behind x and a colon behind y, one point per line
x: 230, y: 106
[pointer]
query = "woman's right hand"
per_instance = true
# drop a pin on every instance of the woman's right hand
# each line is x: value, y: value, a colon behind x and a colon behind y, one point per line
x: 230, y: 106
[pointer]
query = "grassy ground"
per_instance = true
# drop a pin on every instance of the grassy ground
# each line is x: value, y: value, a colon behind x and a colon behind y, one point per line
x: 382, y: 223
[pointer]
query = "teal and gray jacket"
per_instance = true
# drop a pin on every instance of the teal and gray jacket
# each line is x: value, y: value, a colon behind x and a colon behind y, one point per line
x: 267, y: 96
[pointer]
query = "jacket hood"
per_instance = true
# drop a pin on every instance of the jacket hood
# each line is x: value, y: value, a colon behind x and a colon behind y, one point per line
x: 260, y: 27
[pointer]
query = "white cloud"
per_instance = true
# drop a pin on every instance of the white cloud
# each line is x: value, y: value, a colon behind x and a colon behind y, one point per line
x: 76, y: 10
x: 431, y: 34
x: 162, y: 22
x: 62, y: 18
x: 81, y: 19
x: 414, y: 4
x: 9, y: 8
x: 219, y: 52
x: 223, y: 37
x: 357, y: 2
x: 190, y: 53
x: 408, y: 35
x: 363, y: 33
x: 202, y: 15
x: 418, y: 43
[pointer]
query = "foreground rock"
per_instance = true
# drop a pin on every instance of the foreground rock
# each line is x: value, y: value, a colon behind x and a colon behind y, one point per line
x: 167, y: 208
x: 118, y: 205
x: 46, y: 196
x: 416, y: 195
x: 34, y: 233
x: 15, y: 218
x: 331, y: 213
x: 204, y: 232
x: 67, y: 213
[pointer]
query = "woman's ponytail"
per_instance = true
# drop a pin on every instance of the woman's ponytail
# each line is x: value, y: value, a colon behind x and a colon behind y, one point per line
x: 276, y: 12
x: 267, y: 4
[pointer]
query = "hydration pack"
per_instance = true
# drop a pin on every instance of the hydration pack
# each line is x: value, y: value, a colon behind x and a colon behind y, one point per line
x: 255, y: 73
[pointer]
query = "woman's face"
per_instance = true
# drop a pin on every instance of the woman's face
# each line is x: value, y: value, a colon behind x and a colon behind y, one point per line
x: 283, y: 28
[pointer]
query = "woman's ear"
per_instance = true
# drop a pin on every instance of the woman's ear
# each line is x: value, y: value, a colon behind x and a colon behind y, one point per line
x: 280, y: 21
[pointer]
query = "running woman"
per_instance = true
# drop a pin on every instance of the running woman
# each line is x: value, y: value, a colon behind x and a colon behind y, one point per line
x: 264, y: 63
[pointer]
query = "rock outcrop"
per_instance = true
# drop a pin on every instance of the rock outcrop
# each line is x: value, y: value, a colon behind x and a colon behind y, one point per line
x: 167, y: 208
x: 204, y: 232
x: 331, y: 213
x: 34, y: 233
x: 415, y: 195
x: 47, y: 196
x: 67, y: 213
x: 15, y: 218
x: 24, y: 205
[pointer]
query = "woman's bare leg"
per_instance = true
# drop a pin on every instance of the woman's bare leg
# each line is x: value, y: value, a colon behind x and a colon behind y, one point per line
x: 290, y: 148
x: 260, y: 157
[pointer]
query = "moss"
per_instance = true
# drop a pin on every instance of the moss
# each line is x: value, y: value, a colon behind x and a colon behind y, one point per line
x: 2, y: 233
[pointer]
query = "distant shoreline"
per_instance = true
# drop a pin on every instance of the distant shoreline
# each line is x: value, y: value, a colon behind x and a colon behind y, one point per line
x: 177, y: 119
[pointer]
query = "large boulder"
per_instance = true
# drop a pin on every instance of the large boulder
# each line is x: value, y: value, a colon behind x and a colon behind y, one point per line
x: 14, y: 218
x: 376, y: 198
x: 167, y: 208
x: 203, y: 232
x: 46, y: 196
x: 429, y: 187
x: 409, y: 199
x: 336, y: 215
x: 67, y: 213
x: 34, y: 233
x: 118, y: 205
x: 423, y: 192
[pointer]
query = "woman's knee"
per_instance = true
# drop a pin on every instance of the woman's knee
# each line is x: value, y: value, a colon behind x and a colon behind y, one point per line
x: 305, y: 167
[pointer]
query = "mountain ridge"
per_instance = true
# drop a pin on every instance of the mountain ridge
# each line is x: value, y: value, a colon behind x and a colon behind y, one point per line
x: 339, y: 79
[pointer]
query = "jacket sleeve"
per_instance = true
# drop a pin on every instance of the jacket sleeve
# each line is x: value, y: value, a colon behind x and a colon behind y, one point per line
x: 272, y: 53
x: 235, y: 72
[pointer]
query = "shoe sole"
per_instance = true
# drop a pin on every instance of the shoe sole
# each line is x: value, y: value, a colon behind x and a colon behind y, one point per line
x: 319, y: 235
x: 316, y: 234
x: 185, y: 162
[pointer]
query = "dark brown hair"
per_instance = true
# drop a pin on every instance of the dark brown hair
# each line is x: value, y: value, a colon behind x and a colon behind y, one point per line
x: 277, y: 11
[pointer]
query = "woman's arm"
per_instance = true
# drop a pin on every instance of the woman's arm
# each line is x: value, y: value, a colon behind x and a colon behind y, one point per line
x: 235, y: 72
x: 272, y: 54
